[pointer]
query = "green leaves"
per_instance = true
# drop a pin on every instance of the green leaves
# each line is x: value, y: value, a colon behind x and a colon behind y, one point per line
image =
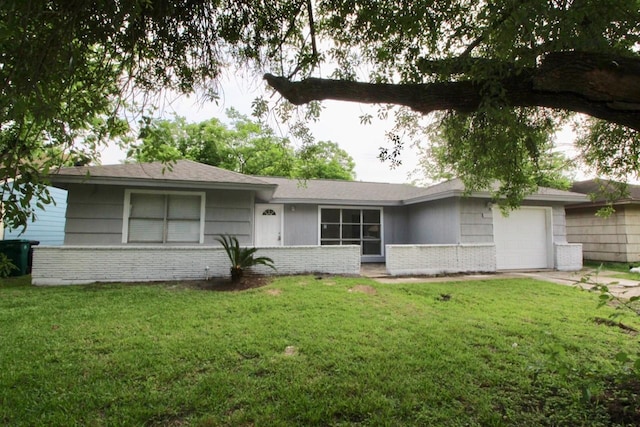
x: 510, y: 146
x: 245, y: 146
x: 241, y: 258
x: 6, y: 266
x: 612, y: 150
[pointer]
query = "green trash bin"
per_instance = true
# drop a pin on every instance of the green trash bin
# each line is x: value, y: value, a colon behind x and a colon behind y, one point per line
x: 18, y: 252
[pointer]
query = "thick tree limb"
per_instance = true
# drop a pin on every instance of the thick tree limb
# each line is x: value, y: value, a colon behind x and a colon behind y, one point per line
x: 602, y: 86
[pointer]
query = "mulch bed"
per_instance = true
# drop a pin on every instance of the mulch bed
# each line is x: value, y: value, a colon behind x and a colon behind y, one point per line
x: 225, y: 284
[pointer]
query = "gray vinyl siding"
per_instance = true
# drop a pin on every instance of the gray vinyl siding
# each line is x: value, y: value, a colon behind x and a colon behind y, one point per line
x: 229, y: 212
x: 95, y: 214
x: 300, y: 225
x: 559, y: 222
x: 476, y: 221
x: 396, y: 225
x: 48, y: 228
x: 435, y: 222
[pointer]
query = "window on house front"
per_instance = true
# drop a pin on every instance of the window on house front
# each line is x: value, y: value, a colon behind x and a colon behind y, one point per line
x: 352, y: 227
x: 155, y: 217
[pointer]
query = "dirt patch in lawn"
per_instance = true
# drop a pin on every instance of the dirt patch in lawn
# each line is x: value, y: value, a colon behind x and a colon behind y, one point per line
x: 225, y: 284
x: 365, y: 289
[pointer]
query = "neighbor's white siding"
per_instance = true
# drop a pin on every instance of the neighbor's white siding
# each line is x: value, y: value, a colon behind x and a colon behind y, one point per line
x: 615, y: 238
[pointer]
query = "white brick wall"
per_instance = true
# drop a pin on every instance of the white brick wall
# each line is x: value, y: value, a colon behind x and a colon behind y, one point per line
x: 67, y: 265
x: 568, y: 256
x: 438, y: 259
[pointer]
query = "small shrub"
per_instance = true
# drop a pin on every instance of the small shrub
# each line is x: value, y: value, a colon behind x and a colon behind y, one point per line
x: 6, y: 266
x: 241, y: 258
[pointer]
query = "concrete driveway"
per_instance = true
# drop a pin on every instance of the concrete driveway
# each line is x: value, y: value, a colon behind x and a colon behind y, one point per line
x: 585, y: 278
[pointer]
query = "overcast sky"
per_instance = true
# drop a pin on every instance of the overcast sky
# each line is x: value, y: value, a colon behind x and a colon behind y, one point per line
x: 339, y: 122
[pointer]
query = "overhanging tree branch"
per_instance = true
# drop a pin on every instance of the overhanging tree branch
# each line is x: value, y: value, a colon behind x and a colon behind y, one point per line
x: 602, y: 86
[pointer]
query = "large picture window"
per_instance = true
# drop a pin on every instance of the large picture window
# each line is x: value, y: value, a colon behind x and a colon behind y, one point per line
x: 163, y: 217
x: 349, y: 226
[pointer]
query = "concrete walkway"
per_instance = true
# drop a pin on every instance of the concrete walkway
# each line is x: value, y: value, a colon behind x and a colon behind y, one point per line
x: 585, y: 278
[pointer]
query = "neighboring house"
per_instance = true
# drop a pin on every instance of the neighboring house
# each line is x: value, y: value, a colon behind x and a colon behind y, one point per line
x: 613, y: 238
x: 150, y: 212
x: 48, y: 227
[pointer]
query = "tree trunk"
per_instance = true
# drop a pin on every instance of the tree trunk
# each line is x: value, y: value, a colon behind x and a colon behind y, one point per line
x: 236, y: 274
x: 602, y: 86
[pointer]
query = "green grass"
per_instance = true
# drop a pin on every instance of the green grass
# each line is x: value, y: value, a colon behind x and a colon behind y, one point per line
x: 621, y: 268
x: 498, y: 352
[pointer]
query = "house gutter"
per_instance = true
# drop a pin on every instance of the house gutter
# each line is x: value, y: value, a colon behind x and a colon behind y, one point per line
x: 267, y: 189
x: 564, y: 198
x: 600, y: 204
x: 346, y: 202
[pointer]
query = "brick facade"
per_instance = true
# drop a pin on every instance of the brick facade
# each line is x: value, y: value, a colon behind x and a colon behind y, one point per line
x: 439, y: 259
x: 69, y: 265
x: 568, y: 256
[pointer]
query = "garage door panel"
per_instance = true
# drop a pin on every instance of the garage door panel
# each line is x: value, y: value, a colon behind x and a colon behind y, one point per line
x: 522, y: 239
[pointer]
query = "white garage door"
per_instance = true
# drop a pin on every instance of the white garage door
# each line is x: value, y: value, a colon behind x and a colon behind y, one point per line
x: 523, y: 239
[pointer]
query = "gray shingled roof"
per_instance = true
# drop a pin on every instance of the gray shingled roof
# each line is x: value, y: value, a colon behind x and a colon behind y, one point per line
x: 180, y: 171
x: 326, y: 190
x: 598, y: 186
x: 455, y: 187
x: 185, y: 173
x: 356, y: 192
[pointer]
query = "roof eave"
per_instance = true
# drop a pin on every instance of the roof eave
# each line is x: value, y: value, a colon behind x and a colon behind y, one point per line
x: 164, y: 183
x: 566, y: 199
x: 306, y: 201
x: 600, y: 204
x: 562, y: 198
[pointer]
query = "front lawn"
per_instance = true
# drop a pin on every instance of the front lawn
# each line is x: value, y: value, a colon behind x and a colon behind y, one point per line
x: 308, y: 351
x: 621, y: 268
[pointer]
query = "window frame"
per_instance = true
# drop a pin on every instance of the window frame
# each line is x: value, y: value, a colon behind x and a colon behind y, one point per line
x: 127, y: 213
x: 361, y: 239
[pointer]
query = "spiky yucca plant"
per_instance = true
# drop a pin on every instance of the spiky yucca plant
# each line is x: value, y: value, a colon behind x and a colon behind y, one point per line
x: 241, y: 258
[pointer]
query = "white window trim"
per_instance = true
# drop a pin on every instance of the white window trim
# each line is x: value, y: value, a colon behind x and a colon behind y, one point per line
x: 127, y: 208
x: 377, y: 208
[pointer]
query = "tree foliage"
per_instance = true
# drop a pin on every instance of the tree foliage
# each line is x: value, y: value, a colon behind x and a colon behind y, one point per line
x: 512, y: 147
x: 69, y: 68
x: 247, y: 146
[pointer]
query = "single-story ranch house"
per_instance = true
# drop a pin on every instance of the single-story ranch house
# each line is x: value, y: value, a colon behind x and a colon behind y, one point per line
x: 614, y: 238
x: 151, y: 221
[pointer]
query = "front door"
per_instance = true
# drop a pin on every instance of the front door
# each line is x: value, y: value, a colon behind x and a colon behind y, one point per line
x: 268, y: 225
